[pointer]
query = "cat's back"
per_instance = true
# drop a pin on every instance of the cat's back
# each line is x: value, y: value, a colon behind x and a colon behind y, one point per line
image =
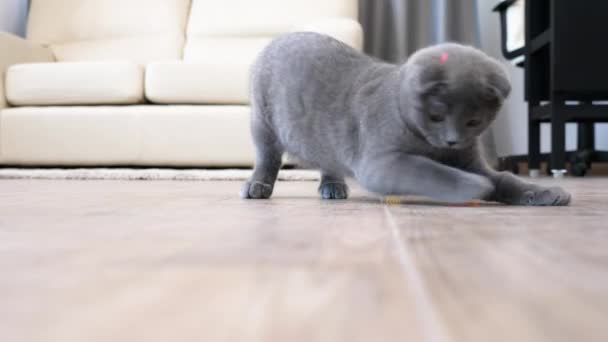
x: 292, y: 57
x: 296, y: 46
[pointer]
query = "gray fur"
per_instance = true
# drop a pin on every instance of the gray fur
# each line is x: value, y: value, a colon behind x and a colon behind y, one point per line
x: 349, y: 115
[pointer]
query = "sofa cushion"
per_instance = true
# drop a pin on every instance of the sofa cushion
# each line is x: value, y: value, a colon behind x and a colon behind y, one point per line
x: 141, y: 50
x: 140, y: 30
x: 224, y: 38
x: 76, y: 83
x: 215, y: 71
x: 262, y: 17
x: 149, y: 135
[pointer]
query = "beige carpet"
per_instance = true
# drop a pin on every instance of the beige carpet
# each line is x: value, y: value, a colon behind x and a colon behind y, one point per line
x: 148, y: 174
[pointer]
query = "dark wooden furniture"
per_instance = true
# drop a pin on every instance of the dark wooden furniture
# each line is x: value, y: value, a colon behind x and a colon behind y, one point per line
x: 566, y: 75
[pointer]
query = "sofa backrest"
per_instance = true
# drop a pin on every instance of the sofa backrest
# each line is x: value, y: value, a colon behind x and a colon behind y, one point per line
x: 262, y: 17
x: 136, y: 30
x: 248, y: 25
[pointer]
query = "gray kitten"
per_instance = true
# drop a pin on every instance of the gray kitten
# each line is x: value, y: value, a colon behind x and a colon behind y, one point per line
x: 412, y: 129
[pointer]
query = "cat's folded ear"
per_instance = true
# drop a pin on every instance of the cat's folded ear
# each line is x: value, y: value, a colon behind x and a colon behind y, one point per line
x: 500, y: 84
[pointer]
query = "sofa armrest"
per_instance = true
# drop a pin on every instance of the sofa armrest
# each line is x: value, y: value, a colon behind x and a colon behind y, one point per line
x: 17, y: 50
x: 346, y: 30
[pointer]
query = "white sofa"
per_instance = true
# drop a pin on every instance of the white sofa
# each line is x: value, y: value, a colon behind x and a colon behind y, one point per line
x: 144, y: 82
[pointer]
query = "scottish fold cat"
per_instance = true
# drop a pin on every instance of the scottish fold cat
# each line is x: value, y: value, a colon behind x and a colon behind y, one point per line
x: 410, y: 129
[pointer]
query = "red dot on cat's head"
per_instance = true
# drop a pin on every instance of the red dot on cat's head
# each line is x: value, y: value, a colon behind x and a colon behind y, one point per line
x: 444, y: 57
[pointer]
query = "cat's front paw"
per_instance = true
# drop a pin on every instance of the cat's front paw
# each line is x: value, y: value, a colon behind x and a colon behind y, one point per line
x: 256, y: 190
x: 333, y: 190
x: 553, y: 196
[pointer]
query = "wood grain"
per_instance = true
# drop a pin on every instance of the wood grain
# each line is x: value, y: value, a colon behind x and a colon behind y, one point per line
x: 99, y: 261
x: 515, y: 274
x: 190, y: 261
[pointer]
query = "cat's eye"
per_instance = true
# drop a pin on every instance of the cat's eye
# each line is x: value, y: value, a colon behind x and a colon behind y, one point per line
x: 473, y: 123
x: 437, y: 118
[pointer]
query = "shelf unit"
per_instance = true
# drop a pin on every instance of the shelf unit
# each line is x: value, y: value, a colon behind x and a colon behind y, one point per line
x: 566, y: 60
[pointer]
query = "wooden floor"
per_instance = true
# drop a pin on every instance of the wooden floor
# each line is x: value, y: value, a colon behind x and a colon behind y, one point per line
x: 190, y: 261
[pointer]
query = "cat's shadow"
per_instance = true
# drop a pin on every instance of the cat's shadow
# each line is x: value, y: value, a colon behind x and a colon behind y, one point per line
x: 397, y: 201
x: 425, y: 202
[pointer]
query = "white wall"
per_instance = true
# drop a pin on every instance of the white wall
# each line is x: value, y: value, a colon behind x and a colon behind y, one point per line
x: 511, y: 127
x: 13, y: 16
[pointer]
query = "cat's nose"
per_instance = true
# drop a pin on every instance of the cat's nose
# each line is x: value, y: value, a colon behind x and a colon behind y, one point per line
x: 452, y: 143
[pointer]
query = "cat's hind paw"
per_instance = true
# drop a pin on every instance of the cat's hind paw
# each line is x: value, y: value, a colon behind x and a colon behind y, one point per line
x: 553, y: 196
x: 256, y: 190
x: 333, y: 190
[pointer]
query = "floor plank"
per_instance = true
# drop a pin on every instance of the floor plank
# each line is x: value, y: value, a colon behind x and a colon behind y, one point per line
x: 124, y: 261
x: 515, y: 274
